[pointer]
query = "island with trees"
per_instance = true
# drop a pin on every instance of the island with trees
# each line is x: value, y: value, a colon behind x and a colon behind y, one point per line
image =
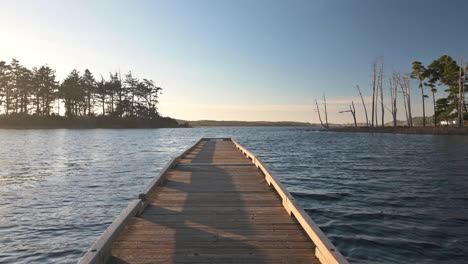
x: 34, y: 98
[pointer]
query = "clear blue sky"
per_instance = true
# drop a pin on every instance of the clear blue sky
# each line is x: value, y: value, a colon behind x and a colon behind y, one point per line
x: 237, y: 60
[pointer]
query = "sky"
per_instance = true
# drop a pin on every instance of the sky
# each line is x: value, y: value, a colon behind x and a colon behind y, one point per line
x: 239, y: 60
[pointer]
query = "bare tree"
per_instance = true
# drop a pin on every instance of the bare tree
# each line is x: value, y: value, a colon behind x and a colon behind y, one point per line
x: 363, y: 104
x: 326, y: 114
x: 319, y: 116
x: 461, y: 92
x: 401, y: 83
x: 381, y: 77
x: 406, y: 90
x: 394, y: 83
x: 408, y: 96
x: 463, y: 89
x: 374, y: 81
x: 351, y: 110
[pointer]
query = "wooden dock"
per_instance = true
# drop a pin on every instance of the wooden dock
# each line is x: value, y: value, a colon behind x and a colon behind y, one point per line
x: 215, y: 203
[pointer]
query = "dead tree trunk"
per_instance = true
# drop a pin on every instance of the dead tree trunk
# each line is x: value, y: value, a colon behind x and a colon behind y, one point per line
x: 381, y: 76
x: 423, y: 96
x: 461, y: 101
x: 353, y: 112
x: 319, y: 116
x: 402, y: 83
x: 464, y: 91
x: 434, y: 105
x: 380, y: 88
x: 377, y: 90
x: 326, y: 114
x: 374, y: 76
x: 363, y: 104
x: 408, y: 97
x: 393, y: 97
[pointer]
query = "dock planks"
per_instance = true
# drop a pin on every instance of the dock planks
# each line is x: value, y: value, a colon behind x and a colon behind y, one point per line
x: 213, y: 207
x: 214, y: 203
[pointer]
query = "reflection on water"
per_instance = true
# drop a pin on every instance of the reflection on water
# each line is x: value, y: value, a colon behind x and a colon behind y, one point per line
x: 380, y: 198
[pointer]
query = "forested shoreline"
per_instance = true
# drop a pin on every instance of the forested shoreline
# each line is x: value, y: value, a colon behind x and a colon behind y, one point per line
x: 36, y: 98
x: 444, y: 72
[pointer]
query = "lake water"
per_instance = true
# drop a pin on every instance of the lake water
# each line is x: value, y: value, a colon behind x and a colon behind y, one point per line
x: 380, y: 198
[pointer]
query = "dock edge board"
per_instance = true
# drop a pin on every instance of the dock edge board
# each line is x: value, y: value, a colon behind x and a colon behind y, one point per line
x: 100, y: 251
x: 325, y: 251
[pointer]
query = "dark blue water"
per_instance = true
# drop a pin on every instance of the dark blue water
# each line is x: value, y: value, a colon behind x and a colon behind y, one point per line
x: 380, y: 198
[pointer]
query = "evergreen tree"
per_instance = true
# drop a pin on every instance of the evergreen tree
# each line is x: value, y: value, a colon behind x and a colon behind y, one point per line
x: 445, y: 71
x: 130, y: 88
x: 12, y: 91
x: 4, y: 80
x: 101, y: 94
x: 37, y: 91
x: 432, y: 80
x: 114, y: 90
x: 419, y: 73
x: 72, y: 93
x: 88, y: 84
x: 24, y: 84
x: 119, y: 89
x: 45, y: 89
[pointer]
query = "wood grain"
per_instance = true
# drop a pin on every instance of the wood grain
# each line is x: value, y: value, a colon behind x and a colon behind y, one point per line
x: 216, y: 207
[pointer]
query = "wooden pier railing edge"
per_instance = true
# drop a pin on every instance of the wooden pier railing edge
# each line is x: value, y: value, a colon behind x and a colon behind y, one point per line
x: 157, y: 180
x: 99, y: 252
x: 325, y: 251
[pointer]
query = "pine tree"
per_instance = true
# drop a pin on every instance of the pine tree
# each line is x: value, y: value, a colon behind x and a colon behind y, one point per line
x: 88, y: 84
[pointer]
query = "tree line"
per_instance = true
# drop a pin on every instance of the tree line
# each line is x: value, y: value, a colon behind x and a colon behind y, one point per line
x: 444, y: 71
x: 37, y: 91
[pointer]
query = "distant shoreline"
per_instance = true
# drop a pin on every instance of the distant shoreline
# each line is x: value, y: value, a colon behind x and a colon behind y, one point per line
x: 404, y: 130
x: 222, y: 123
x: 21, y: 121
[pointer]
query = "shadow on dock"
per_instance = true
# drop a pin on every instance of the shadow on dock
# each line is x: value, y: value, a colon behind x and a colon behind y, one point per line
x: 195, y: 216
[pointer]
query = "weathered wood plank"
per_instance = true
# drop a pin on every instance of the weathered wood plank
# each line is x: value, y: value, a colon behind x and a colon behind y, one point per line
x: 207, y: 203
x: 241, y: 197
x: 209, y: 252
x: 143, y: 223
x: 251, y: 259
x: 215, y: 245
x: 203, y: 203
x: 214, y: 205
x: 220, y: 210
x: 325, y: 251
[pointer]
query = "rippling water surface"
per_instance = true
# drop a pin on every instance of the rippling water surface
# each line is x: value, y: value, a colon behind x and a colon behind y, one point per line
x: 380, y: 198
